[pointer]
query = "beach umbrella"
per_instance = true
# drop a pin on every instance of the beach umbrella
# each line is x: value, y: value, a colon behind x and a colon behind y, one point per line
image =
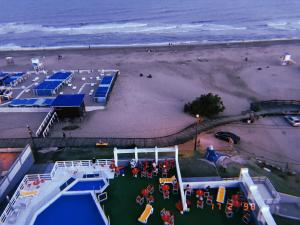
x: 165, y: 217
x: 36, y: 182
x: 135, y: 171
x: 237, y: 203
x: 235, y: 197
x: 112, y: 166
x: 199, y: 193
x: 145, y: 192
x: 165, y: 187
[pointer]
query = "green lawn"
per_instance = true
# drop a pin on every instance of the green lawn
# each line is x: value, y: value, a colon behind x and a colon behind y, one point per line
x: 122, y: 208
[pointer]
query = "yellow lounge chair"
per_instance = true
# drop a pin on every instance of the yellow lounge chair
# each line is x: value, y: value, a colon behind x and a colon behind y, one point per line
x: 221, y: 194
x: 25, y: 193
x: 167, y: 180
x: 145, y: 215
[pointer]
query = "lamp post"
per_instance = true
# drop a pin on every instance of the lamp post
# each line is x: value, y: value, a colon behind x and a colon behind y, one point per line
x: 30, y: 134
x: 196, y: 131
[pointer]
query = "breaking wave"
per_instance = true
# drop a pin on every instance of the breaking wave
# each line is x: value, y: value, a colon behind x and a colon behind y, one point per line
x: 284, y: 25
x: 19, y: 28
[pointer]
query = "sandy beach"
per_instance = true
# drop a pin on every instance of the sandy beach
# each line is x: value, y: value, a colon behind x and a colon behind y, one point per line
x: 144, y: 107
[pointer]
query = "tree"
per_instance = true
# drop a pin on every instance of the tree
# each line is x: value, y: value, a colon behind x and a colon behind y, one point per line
x: 206, y: 105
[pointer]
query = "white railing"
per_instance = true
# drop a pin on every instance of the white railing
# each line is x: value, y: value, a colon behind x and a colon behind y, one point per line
x: 264, y: 214
x: 17, y: 165
x: 44, y: 123
x: 51, y: 121
x: 179, y: 178
x: 48, y: 176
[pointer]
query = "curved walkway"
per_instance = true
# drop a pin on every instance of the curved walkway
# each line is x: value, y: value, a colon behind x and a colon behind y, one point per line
x: 174, y: 139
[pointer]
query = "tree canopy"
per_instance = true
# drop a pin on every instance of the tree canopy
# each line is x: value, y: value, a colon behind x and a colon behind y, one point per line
x: 206, y: 105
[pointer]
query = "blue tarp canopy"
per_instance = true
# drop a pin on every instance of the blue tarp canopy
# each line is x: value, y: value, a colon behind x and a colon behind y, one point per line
x: 60, y: 76
x: 68, y: 100
x: 211, y: 155
x: 3, y: 74
x: 9, y: 80
x: 48, y: 85
x: 101, y: 92
x: 30, y: 102
x: 46, y: 88
x: 106, y: 80
x: 23, y: 102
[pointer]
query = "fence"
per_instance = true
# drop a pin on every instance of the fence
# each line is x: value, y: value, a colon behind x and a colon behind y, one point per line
x: 263, y: 211
x: 50, y: 122
x: 275, y: 195
x: 274, y: 103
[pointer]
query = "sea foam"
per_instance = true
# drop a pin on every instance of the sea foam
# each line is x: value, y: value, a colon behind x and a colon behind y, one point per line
x: 19, y: 28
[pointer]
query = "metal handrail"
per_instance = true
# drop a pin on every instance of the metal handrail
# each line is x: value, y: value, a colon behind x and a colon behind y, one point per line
x: 44, y: 123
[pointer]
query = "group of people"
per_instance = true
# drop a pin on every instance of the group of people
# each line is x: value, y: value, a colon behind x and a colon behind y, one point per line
x: 148, y: 169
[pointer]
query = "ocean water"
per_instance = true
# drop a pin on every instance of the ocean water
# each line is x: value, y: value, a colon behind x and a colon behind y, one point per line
x: 54, y: 23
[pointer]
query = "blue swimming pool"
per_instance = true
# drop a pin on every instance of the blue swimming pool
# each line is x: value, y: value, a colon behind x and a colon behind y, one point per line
x: 88, y: 185
x: 71, y: 209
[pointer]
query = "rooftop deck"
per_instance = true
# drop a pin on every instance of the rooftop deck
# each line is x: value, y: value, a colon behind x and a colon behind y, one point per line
x: 121, y: 206
x: 41, y: 188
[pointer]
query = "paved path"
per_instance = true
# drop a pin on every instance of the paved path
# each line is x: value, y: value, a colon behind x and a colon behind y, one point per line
x: 174, y: 139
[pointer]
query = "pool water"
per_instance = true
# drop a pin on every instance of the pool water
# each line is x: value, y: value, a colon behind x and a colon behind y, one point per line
x: 88, y: 185
x: 71, y: 210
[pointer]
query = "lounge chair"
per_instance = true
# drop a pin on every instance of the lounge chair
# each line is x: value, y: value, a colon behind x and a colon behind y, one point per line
x: 30, y: 193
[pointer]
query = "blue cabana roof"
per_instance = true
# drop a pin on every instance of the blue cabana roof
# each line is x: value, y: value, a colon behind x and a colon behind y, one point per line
x: 31, y: 102
x: 106, y: 80
x: 101, y: 92
x: 60, y: 76
x: 9, y: 80
x: 3, y: 74
x: 48, y: 85
x: 68, y: 100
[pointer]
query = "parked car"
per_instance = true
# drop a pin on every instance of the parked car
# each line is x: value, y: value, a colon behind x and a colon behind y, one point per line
x: 223, y: 135
x: 293, y: 120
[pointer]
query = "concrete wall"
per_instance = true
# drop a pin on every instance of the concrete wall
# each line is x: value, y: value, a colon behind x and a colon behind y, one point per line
x: 16, y: 172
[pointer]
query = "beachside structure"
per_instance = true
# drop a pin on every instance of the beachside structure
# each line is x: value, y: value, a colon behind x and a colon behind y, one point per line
x: 11, y: 79
x: 69, y: 105
x: 31, y: 102
x: 105, y: 87
x: 52, y: 84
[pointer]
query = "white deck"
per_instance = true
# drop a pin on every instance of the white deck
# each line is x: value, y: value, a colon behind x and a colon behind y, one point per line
x: 16, y: 213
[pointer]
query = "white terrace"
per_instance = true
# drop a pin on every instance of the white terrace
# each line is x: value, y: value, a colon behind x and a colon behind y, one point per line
x: 21, y: 210
x: 41, y: 188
